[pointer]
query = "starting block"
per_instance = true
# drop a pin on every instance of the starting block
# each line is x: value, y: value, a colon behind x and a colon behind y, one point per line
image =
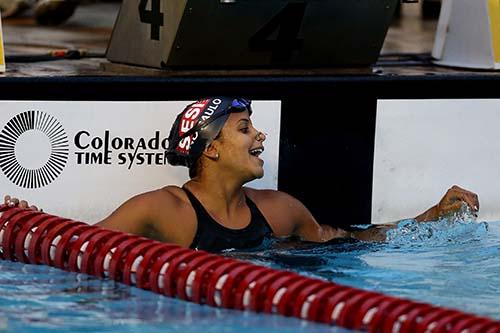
x: 468, y: 34
x: 251, y: 33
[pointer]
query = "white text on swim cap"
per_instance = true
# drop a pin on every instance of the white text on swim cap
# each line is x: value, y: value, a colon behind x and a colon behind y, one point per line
x: 188, y: 121
x: 190, y: 118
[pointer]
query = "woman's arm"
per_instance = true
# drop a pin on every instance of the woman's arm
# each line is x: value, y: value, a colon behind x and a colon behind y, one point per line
x: 159, y: 215
x: 151, y: 214
x: 451, y: 202
x: 304, y: 225
x: 308, y: 229
x: 133, y: 216
x: 288, y: 216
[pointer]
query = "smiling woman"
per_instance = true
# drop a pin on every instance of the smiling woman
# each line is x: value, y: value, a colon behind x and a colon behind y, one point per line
x: 213, y: 211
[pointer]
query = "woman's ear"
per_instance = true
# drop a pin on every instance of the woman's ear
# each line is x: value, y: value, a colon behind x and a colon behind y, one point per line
x: 211, y: 152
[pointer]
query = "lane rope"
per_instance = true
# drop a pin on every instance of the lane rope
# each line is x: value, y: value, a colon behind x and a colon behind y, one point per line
x: 205, y: 278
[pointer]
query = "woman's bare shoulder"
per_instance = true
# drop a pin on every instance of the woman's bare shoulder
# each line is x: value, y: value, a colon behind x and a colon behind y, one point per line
x: 275, y: 205
x: 174, y: 191
x: 169, y: 195
x: 154, y: 214
x: 272, y: 200
x: 275, y: 201
x: 266, y: 194
x: 170, y: 205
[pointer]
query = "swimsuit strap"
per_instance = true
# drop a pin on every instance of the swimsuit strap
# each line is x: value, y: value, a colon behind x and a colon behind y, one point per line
x: 212, y: 236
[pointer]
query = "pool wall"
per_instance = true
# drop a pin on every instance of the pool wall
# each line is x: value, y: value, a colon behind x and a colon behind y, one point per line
x: 327, y: 132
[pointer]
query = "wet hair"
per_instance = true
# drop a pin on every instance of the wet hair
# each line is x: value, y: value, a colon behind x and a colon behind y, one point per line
x: 195, y: 168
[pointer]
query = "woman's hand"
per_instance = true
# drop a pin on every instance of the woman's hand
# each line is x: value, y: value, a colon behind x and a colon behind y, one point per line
x: 451, y: 203
x: 15, y: 202
x: 453, y: 200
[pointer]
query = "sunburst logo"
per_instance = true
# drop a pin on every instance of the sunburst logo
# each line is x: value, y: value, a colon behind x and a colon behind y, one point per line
x: 33, y: 149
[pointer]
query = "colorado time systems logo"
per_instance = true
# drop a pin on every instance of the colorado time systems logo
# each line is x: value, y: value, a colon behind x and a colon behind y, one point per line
x: 33, y: 149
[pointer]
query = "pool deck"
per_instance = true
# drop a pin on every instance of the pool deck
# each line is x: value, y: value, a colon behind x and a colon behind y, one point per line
x: 91, y: 26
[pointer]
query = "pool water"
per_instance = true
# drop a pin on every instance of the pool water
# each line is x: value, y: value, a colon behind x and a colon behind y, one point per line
x: 453, y: 265
x: 45, y: 299
x: 450, y: 263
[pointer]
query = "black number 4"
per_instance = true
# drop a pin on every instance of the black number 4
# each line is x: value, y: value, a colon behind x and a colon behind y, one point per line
x: 153, y: 17
x: 287, y: 23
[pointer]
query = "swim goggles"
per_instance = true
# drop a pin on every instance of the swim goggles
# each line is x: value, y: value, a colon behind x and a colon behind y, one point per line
x: 237, y: 105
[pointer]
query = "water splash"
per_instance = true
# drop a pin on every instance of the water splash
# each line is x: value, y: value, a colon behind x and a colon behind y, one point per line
x: 458, y: 228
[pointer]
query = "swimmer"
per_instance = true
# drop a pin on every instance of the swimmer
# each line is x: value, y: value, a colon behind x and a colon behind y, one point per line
x: 216, y: 139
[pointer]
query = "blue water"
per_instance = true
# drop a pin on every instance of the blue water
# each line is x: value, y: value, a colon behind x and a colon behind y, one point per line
x: 449, y: 263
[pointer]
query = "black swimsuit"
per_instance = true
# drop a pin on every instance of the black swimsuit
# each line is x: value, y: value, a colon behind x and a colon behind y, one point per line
x: 212, y: 236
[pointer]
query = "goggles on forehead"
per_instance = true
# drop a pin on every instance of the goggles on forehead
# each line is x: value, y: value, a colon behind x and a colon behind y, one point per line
x: 237, y: 105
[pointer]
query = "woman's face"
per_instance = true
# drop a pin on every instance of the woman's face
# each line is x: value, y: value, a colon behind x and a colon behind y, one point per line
x: 239, y: 147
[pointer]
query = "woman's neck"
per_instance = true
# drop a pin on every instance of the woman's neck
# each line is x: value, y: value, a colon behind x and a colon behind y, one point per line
x: 219, y: 196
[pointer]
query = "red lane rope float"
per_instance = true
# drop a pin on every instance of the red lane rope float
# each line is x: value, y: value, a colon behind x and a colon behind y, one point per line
x: 101, y: 263
x: 52, y: 238
x: 242, y: 291
x: 290, y: 296
x: 24, y: 236
x: 300, y: 307
x: 144, y: 269
x: 201, y: 278
x: 172, y: 282
x: 234, y: 277
x: 11, y: 230
x: 95, y: 243
x: 197, y: 276
x: 185, y: 283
